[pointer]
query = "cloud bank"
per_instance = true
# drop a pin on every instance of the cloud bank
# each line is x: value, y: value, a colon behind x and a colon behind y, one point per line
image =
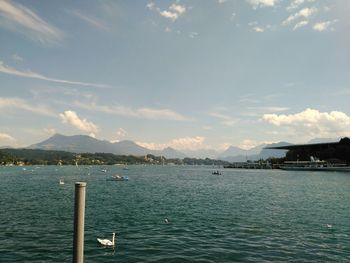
x: 312, y: 123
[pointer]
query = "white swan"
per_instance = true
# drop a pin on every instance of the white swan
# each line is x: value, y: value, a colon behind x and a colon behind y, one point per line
x: 106, y: 242
x: 61, y: 182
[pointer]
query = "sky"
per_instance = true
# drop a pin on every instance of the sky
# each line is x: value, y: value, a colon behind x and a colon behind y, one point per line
x: 185, y: 74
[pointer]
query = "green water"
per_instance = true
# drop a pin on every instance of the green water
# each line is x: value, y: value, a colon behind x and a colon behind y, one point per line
x: 239, y: 216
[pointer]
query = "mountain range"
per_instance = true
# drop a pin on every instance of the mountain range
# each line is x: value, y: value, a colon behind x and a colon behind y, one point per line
x: 87, y: 144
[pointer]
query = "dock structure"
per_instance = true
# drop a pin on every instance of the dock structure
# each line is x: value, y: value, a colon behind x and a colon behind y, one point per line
x: 250, y: 165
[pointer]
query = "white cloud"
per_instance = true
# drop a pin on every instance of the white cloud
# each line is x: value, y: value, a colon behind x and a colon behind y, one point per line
x: 268, y: 109
x: 324, y: 26
x: 29, y: 74
x: 146, y: 113
x: 158, y: 114
x: 152, y: 145
x: 225, y: 119
x: 49, y: 131
x: 262, y: 3
x: 19, y: 18
x: 300, y: 24
x: 6, y: 139
x: 17, y: 57
x: 151, y: 6
x: 180, y: 9
x: 223, y: 146
x: 21, y: 104
x: 121, y: 133
x: 233, y: 16
x: 168, y: 14
x: 184, y: 143
x: 249, y: 144
x: 174, y: 11
x: 275, y: 108
x: 258, y: 29
x: 192, y: 143
x: 193, y: 34
x: 304, y: 13
x: 93, y: 21
x: 70, y: 117
x: 297, y: 3
x: 312, y: 123
x: 207, y: 127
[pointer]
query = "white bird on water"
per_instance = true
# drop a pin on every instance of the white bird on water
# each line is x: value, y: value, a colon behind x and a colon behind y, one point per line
x: 107, y: 242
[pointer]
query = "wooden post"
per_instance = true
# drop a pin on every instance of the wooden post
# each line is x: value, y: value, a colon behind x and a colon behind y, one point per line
x: 79, y: 214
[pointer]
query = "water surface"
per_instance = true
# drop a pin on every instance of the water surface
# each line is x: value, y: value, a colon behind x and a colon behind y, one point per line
x: 239, y: 216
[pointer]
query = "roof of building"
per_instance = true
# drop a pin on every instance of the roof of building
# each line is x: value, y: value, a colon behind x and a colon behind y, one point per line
x: 313, y: 145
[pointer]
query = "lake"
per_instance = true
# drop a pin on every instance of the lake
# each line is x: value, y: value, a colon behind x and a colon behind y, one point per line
x: 239, y: 216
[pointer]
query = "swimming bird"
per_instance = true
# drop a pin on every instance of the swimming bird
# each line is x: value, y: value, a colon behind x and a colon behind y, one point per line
x: 329, y: 225
x: 166, y: 220
x: 106, y: 242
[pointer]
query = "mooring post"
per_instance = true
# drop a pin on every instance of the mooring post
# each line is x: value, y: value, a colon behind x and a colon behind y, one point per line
x: 79, y: 214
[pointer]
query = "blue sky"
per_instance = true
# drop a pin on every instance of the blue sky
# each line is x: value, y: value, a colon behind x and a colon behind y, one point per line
x: 186, y: 74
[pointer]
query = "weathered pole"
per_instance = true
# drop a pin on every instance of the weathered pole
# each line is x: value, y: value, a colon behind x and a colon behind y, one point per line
x: 79, y: 214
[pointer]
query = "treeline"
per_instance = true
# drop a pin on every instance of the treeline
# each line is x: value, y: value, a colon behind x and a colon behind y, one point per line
x: 47, y: 157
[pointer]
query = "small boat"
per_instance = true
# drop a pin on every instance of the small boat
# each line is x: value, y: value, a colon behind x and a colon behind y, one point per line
x: 118, y: 178
x: 216, y: 173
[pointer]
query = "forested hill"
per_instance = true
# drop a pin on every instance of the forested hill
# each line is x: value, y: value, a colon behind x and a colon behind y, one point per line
x: 49, y: 157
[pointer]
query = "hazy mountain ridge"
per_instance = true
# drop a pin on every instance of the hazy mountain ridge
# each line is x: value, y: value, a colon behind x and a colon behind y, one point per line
x: 254, y: 154
x: 87, y: 144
